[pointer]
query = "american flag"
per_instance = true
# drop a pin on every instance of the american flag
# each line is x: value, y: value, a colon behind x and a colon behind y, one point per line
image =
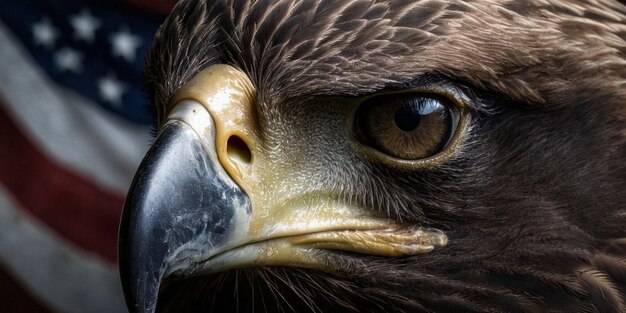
x: 74, y: 125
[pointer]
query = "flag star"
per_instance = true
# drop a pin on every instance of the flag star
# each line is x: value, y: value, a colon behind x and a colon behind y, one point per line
x: 125, y: 44
x: 111, y: 90
x: 45, y: 34
x: 85, y: 25
x: 68, y: 59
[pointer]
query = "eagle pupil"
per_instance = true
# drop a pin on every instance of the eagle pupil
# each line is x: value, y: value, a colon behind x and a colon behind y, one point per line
x: 407, y: 119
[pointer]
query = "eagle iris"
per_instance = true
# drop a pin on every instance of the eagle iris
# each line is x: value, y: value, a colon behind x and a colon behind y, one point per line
x: 406, y: 126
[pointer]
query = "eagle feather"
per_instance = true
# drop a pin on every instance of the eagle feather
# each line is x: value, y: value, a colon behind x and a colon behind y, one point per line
x: 533, y: 200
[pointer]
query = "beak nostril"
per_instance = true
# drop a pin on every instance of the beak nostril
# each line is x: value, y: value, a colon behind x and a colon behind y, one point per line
x: 238, y: 150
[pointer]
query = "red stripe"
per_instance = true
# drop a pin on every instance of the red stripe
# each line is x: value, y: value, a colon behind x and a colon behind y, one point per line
x: 15, y: 299
x: 72, y: 205
x: 158, y: 6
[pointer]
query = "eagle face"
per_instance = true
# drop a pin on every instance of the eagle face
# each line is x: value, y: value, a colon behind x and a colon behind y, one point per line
x: 376, y: 156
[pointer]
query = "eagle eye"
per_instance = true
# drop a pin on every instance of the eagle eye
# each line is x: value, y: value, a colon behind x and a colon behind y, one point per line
x: 408, y: 126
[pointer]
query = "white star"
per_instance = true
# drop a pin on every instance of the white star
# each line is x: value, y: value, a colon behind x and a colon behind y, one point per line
x: 111, y: 90
x: 68, y: 59
x: 85, y: 25
x: 45, y: 34
x: 125, y: 44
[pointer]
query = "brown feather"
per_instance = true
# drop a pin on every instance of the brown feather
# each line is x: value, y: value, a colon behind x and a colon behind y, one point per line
x: 533, y: 201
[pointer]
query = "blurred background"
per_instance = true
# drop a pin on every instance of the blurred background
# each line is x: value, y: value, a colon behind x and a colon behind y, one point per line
x: 74, y: 125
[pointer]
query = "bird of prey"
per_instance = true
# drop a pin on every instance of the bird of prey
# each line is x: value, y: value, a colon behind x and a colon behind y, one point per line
x: 382, y: 156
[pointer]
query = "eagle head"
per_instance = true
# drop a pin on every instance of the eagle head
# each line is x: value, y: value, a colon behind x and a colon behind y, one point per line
x: 379, y: 155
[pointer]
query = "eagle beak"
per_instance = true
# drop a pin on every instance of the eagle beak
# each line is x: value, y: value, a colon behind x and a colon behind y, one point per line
x: 208, y: 197
x: 182, y: 206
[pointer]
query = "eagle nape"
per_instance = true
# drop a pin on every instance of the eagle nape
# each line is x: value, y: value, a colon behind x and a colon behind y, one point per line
x: 382, y: 156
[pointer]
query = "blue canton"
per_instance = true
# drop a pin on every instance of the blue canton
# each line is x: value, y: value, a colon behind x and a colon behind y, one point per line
x: 94, y: 48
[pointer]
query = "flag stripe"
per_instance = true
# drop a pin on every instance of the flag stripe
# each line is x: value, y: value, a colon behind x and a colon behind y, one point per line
x: 77, y: 209
x: 15, y: 298
x: 70, y: 129
x: 62, y: 276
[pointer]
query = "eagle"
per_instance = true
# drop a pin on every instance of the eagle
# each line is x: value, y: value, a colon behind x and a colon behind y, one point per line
x: 382, y: 156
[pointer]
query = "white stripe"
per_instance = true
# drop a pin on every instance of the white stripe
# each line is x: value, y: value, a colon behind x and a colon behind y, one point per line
x: 66, y: 279
x: 71, y: 129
